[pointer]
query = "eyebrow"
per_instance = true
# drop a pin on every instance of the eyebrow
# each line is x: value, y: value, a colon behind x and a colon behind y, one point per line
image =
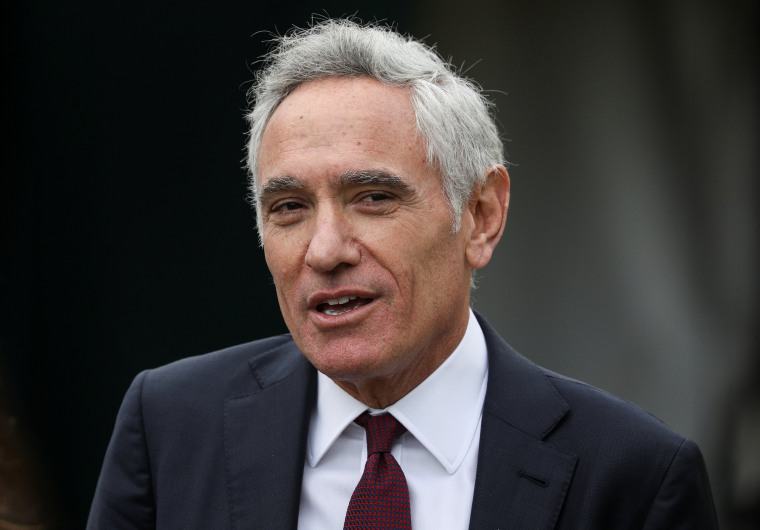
x: 375, y: 178
x: 350, y: 178
x: 278, y: 185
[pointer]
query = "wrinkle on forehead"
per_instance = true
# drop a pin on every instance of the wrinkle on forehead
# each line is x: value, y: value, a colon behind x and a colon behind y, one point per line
x: 311, y: 111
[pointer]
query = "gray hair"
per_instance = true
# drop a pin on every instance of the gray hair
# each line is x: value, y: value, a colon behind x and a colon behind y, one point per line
x: 452, y: 114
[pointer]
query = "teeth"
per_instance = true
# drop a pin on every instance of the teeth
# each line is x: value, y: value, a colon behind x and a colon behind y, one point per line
x: 328, y: 306
x: 334, y: 312
x: 341, y: 300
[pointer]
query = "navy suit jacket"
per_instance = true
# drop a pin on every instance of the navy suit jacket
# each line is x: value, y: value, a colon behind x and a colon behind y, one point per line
x: 218, y: 442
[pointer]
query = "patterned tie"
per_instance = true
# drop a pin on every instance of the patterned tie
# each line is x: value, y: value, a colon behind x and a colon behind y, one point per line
x: 381, y: 499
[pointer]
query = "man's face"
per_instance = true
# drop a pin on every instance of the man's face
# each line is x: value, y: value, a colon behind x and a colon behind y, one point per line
x: 371, y: 282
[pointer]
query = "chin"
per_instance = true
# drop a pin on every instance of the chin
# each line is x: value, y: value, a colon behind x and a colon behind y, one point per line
x: 345, y: 365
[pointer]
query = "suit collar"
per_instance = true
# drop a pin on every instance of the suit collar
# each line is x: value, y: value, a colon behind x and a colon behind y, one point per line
x: 519, y: 393
x: 521, y: 480
x: 455, y: 390
x: 265, y: 434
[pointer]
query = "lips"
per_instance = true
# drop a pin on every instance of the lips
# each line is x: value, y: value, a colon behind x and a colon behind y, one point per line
x: 341, y: 305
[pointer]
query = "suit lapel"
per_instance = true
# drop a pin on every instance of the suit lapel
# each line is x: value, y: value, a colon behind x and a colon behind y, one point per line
x: 521, y: 480
x: 265, y: 435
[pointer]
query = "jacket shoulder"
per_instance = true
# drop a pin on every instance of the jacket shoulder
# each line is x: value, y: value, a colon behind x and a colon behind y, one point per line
x: 230, y: 372
x: 596, y: 414
x: 644, y: 473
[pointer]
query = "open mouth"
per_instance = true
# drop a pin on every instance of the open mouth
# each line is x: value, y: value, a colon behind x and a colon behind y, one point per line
x: 344, y: 304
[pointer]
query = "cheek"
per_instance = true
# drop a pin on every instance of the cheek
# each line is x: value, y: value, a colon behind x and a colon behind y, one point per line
x: 273, y: 263
x: 282, y: 256
x: 283, y: 285
x: 443, y: 266
x: 419, y: 268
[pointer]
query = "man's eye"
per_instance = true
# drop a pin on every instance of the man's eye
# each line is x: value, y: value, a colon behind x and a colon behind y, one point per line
x: 287, y: 206
x: 376, y: 196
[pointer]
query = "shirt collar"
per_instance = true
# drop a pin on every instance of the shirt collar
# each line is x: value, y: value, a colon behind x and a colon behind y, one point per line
x: 453, y: 394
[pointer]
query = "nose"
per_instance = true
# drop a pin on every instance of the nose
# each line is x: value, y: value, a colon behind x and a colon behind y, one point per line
x: 331, y: 243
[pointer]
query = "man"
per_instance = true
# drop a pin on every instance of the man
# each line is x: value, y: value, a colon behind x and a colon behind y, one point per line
x: 380, y: 185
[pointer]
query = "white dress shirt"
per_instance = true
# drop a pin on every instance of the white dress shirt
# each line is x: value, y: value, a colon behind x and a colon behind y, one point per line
x: 438, y: 453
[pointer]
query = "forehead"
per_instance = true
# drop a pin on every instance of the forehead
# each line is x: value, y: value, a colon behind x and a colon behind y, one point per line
x: 339, y: 125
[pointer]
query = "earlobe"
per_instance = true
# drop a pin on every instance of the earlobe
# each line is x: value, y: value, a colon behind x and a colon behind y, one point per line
x: 488, y: 209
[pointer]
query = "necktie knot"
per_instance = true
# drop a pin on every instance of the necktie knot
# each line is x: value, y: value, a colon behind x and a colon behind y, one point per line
x: 382, y: 430
x: 381, y: 498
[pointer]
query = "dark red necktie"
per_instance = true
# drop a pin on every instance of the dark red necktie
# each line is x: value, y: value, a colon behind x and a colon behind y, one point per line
x: 381, y: 499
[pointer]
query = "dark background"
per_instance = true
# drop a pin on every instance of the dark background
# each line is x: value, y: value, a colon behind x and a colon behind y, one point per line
x: 629, y: 259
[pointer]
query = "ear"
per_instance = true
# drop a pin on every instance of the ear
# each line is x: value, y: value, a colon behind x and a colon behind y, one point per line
x: 488, y: 212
